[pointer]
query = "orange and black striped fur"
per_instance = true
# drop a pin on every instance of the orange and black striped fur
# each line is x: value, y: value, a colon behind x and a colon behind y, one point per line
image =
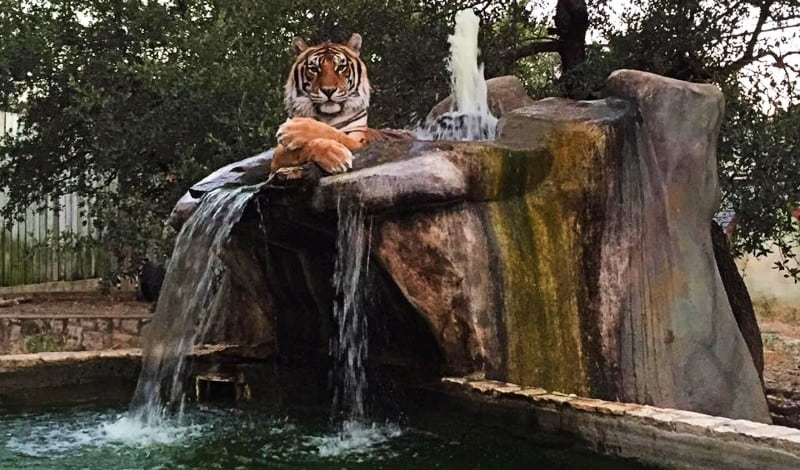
x: 326, y: 97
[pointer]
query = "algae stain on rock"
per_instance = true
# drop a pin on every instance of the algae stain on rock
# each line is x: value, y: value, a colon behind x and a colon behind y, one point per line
x: 540, y: 265
x: 507, y: 173
x: 539, y: 238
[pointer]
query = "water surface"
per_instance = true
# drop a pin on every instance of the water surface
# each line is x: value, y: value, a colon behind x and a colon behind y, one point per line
x: 106, y: 438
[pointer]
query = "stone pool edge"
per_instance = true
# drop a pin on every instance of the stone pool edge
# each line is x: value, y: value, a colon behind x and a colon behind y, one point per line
x: 22, y: 373
x: 659, y: 436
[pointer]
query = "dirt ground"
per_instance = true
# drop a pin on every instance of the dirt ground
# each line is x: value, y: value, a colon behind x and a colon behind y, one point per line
x: 84, y: 307
x: 780, y: 331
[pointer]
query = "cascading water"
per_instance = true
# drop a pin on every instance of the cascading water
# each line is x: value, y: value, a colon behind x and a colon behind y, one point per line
x: 188, y: 304
x: 469, y: 117
x: 349, y: 346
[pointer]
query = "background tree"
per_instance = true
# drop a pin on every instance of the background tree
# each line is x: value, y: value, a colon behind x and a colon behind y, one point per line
x: 128, y: 102
x: 751, y: 50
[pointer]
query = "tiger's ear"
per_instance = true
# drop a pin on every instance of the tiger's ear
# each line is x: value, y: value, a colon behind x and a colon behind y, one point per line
x: 299, y: 45
x: 354, y: 43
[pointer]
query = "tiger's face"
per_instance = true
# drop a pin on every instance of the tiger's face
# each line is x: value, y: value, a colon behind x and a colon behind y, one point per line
x: 328, y: 82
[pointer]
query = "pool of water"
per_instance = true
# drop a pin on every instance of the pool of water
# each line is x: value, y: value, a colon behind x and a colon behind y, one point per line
x: 100, y: 437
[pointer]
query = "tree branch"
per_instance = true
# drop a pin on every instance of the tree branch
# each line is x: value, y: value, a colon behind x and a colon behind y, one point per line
x: 748, y: 56
x: 763, y: 30
x: 538, y: 47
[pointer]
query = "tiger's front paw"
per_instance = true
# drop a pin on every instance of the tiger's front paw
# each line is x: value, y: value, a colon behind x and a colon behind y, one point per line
x: 332, y: 156
x: 297, y: 132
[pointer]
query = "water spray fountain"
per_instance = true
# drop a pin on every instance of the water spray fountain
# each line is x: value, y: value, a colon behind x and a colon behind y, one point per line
x: 469, y: 117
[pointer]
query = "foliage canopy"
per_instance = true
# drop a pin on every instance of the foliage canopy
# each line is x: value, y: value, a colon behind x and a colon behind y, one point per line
x: 128, y: 102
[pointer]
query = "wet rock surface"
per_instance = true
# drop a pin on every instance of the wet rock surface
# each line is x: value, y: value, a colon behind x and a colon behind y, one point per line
x: 573, y: 253
x: 251, y: 170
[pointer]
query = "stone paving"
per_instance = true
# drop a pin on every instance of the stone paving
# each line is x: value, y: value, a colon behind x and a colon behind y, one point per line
x: 15, y: 362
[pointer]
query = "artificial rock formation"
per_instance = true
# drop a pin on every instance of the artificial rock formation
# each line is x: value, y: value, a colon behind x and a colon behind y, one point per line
x: 668, y: 324
x: 573, y: 253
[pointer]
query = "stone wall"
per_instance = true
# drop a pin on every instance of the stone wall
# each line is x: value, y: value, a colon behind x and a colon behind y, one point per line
x: 19, y: 335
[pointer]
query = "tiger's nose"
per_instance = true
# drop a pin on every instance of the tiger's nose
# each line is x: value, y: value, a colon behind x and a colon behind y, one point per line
x: 328, y: 91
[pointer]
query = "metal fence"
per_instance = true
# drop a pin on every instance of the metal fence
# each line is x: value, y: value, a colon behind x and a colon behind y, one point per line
x: 51, y: 243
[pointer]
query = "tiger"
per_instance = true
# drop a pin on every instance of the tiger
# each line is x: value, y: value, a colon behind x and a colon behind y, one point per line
x: 326, y: 98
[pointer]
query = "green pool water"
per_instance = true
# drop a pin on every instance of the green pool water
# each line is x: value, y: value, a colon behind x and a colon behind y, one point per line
x: 105, y: 438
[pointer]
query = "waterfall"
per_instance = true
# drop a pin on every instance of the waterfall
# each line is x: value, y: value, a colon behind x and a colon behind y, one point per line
x: 188, y: 305
x: 193, y: 292
x: 469, y: 117
x: 349, y: 345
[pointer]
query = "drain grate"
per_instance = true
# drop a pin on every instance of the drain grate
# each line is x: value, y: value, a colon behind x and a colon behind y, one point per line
x: 221, y: 386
